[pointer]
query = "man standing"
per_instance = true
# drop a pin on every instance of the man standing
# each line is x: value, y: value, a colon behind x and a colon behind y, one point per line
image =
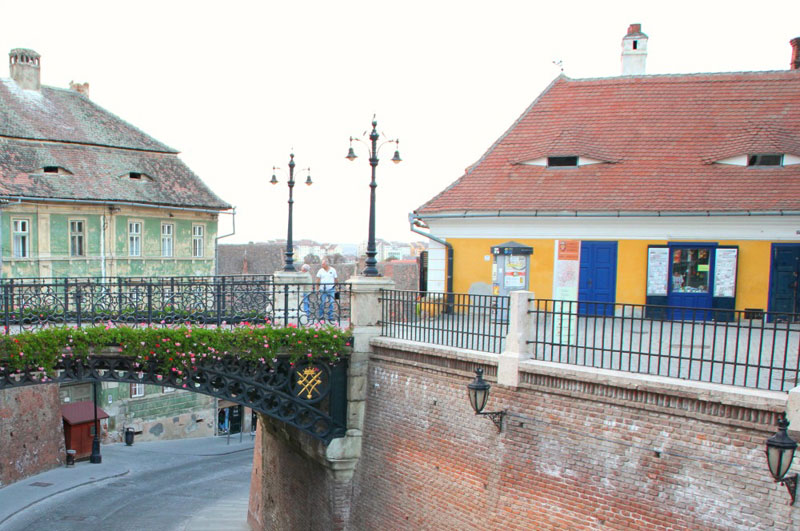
x: 326, y: 279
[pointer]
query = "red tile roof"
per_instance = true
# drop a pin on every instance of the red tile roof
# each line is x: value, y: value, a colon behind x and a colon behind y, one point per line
x: 63, y: 128
x: 658, y: 136
x: 80, y: 412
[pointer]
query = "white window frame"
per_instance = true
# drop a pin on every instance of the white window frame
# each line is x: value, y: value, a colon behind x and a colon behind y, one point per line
x: 137, y: 390
x: 20, y: 237
x: 167, y: 240
x: 165, y: 389
x: 79, y: 236
x: 134, y: 237
x: 198, y: 240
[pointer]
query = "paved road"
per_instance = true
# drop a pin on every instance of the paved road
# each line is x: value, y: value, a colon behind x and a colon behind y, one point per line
x: 190, y: 485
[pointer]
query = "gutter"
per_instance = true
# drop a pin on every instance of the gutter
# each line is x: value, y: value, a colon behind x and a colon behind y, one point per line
x: 603, y: 214
x: 20, y: 199
x: 415, y: 221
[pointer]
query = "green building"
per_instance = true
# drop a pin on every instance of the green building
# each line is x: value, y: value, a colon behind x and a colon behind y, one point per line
x: 85, y: 194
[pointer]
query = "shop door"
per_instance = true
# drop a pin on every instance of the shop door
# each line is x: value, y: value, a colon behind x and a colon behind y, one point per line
x: 598, y: 278
x: 690, y: 285
x: 784, y: 295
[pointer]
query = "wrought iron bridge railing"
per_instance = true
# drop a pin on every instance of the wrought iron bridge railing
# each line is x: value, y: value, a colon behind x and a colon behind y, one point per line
x: 32, y: 303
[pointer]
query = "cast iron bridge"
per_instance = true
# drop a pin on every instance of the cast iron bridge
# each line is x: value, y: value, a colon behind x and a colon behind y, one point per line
x: 312, y: 397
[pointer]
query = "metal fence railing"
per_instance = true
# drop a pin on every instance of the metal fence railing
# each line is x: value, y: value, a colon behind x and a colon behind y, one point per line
x: 30, y: 303
x: 706, y: 345
x: 476, y: 322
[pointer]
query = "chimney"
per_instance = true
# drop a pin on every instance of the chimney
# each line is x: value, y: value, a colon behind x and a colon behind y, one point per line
x: 81, y: 88
x: 24, y: 67
x: 795, y: 65
x: 634, y: 51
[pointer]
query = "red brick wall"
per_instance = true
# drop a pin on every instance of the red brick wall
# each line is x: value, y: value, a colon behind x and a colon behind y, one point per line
x: 31, y: 432
x: 570, y: 457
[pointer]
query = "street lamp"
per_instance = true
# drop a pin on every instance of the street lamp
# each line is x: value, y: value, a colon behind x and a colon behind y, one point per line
x: 371, y: 270
x: 95, y: 457
x: 780, y: 452
x: 289, y: 262
x: 478, y: 393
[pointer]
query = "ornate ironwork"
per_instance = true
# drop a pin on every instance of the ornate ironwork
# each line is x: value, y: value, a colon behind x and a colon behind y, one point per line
x: 312, y: 397
x: 30, y: 304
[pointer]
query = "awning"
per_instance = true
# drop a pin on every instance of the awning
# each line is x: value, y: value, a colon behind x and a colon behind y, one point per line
x: 81, y: 412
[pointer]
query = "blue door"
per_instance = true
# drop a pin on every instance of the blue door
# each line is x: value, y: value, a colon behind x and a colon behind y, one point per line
x: 597, y: 284
x: 784, y: 290
x: 691, y: 282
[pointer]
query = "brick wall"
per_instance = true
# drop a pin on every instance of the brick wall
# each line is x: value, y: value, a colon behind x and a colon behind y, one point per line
x: 31, y: 432
x: 574, y: 453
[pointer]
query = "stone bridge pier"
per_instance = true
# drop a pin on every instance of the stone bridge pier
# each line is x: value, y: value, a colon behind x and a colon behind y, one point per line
x: 297, y: 481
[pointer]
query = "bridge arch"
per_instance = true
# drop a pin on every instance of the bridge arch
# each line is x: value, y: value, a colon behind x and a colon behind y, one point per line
x: 310, y: 396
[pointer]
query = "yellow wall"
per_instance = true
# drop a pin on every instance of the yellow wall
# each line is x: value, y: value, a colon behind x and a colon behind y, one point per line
x: 752, y: 287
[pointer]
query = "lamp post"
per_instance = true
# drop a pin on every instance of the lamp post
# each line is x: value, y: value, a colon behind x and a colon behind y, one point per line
x: 289, y: 261
x: 95, y: 457
x: 478, y: 393
x: 780, y: 452
x: 371, y: 269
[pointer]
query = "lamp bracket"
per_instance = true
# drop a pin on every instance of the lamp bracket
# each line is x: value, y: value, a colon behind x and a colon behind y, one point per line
x: 497, y: 418
x: 791, y: 485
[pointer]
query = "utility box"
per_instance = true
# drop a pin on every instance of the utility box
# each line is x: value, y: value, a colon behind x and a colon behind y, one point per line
x: 510, y: 272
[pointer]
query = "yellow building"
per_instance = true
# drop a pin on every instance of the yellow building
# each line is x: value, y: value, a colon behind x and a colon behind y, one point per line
x: 676, y: 190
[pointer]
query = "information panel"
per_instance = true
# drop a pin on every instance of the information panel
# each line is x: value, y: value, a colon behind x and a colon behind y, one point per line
x: 657, y: 270
x: 725, y: 272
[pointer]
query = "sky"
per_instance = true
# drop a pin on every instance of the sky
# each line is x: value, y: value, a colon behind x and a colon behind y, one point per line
x: 237, y: 86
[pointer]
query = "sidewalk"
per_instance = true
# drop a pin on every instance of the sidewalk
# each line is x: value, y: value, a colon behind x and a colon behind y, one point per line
x: 118, y: 460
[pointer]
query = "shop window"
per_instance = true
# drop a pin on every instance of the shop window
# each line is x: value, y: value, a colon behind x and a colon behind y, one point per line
x: 690, y: 270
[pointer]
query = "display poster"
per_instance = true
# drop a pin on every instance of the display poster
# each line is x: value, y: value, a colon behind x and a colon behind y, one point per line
x: 515, y: 272
x: 566, y: 272
x: 725, y: 272
x: 658, y: 270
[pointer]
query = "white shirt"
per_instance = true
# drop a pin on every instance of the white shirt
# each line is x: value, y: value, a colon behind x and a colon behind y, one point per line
x: 327, y: 278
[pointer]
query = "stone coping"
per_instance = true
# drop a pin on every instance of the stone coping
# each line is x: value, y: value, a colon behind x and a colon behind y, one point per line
x: 774, y: 401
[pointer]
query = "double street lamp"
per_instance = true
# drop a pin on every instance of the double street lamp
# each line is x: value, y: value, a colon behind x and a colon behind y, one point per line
x: 289, y: 262
x: 371, y: 269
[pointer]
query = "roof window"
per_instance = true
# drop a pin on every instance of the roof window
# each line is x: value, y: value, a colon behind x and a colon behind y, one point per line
x: 136, y: 176
x: 55, y: 170
x: 562, y: 161
x: 765, y: 159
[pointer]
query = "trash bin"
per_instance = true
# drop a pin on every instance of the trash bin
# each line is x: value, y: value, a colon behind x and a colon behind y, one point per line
x: 71, y: 457
x: 129, y: 436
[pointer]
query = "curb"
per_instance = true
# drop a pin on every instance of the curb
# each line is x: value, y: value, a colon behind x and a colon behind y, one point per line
x: 10, y: 516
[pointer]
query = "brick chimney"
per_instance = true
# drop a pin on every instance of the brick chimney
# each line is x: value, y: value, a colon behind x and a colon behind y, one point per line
x: 634, y: 51
x: 795, y: 65
x: 24, y: 67
x: 81, y: 88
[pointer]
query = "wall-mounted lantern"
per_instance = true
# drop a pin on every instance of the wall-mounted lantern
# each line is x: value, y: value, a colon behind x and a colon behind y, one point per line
x: 780, y: 452
x: 478, y: 392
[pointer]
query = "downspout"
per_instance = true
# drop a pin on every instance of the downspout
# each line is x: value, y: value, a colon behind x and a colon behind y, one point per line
x: 415, y: 221
x: 218, y: 238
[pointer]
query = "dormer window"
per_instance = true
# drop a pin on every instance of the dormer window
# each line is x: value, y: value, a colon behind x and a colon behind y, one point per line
x: 562, y: 161
x: 137, y: 176
x: 55, y: 170
x: 765, y: 159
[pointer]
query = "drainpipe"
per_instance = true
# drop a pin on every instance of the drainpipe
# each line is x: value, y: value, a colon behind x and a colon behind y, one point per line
x: 218, y: 238
x: 415, y: 221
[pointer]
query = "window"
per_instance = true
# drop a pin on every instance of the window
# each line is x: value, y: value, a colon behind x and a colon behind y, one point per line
x: 167, y: 230
x: 135, y: 238
x: 765, y: 159
x: 167, y: 389
x: 21, y: 232
x: 137, y: 390
x: 198, y: 241
x: 562, y: 161
x: 50, y: 169
x: 76, y: 238
x: 690, y: 270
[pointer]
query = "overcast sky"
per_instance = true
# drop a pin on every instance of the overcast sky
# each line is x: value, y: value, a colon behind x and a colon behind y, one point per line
x: 236, y: 85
